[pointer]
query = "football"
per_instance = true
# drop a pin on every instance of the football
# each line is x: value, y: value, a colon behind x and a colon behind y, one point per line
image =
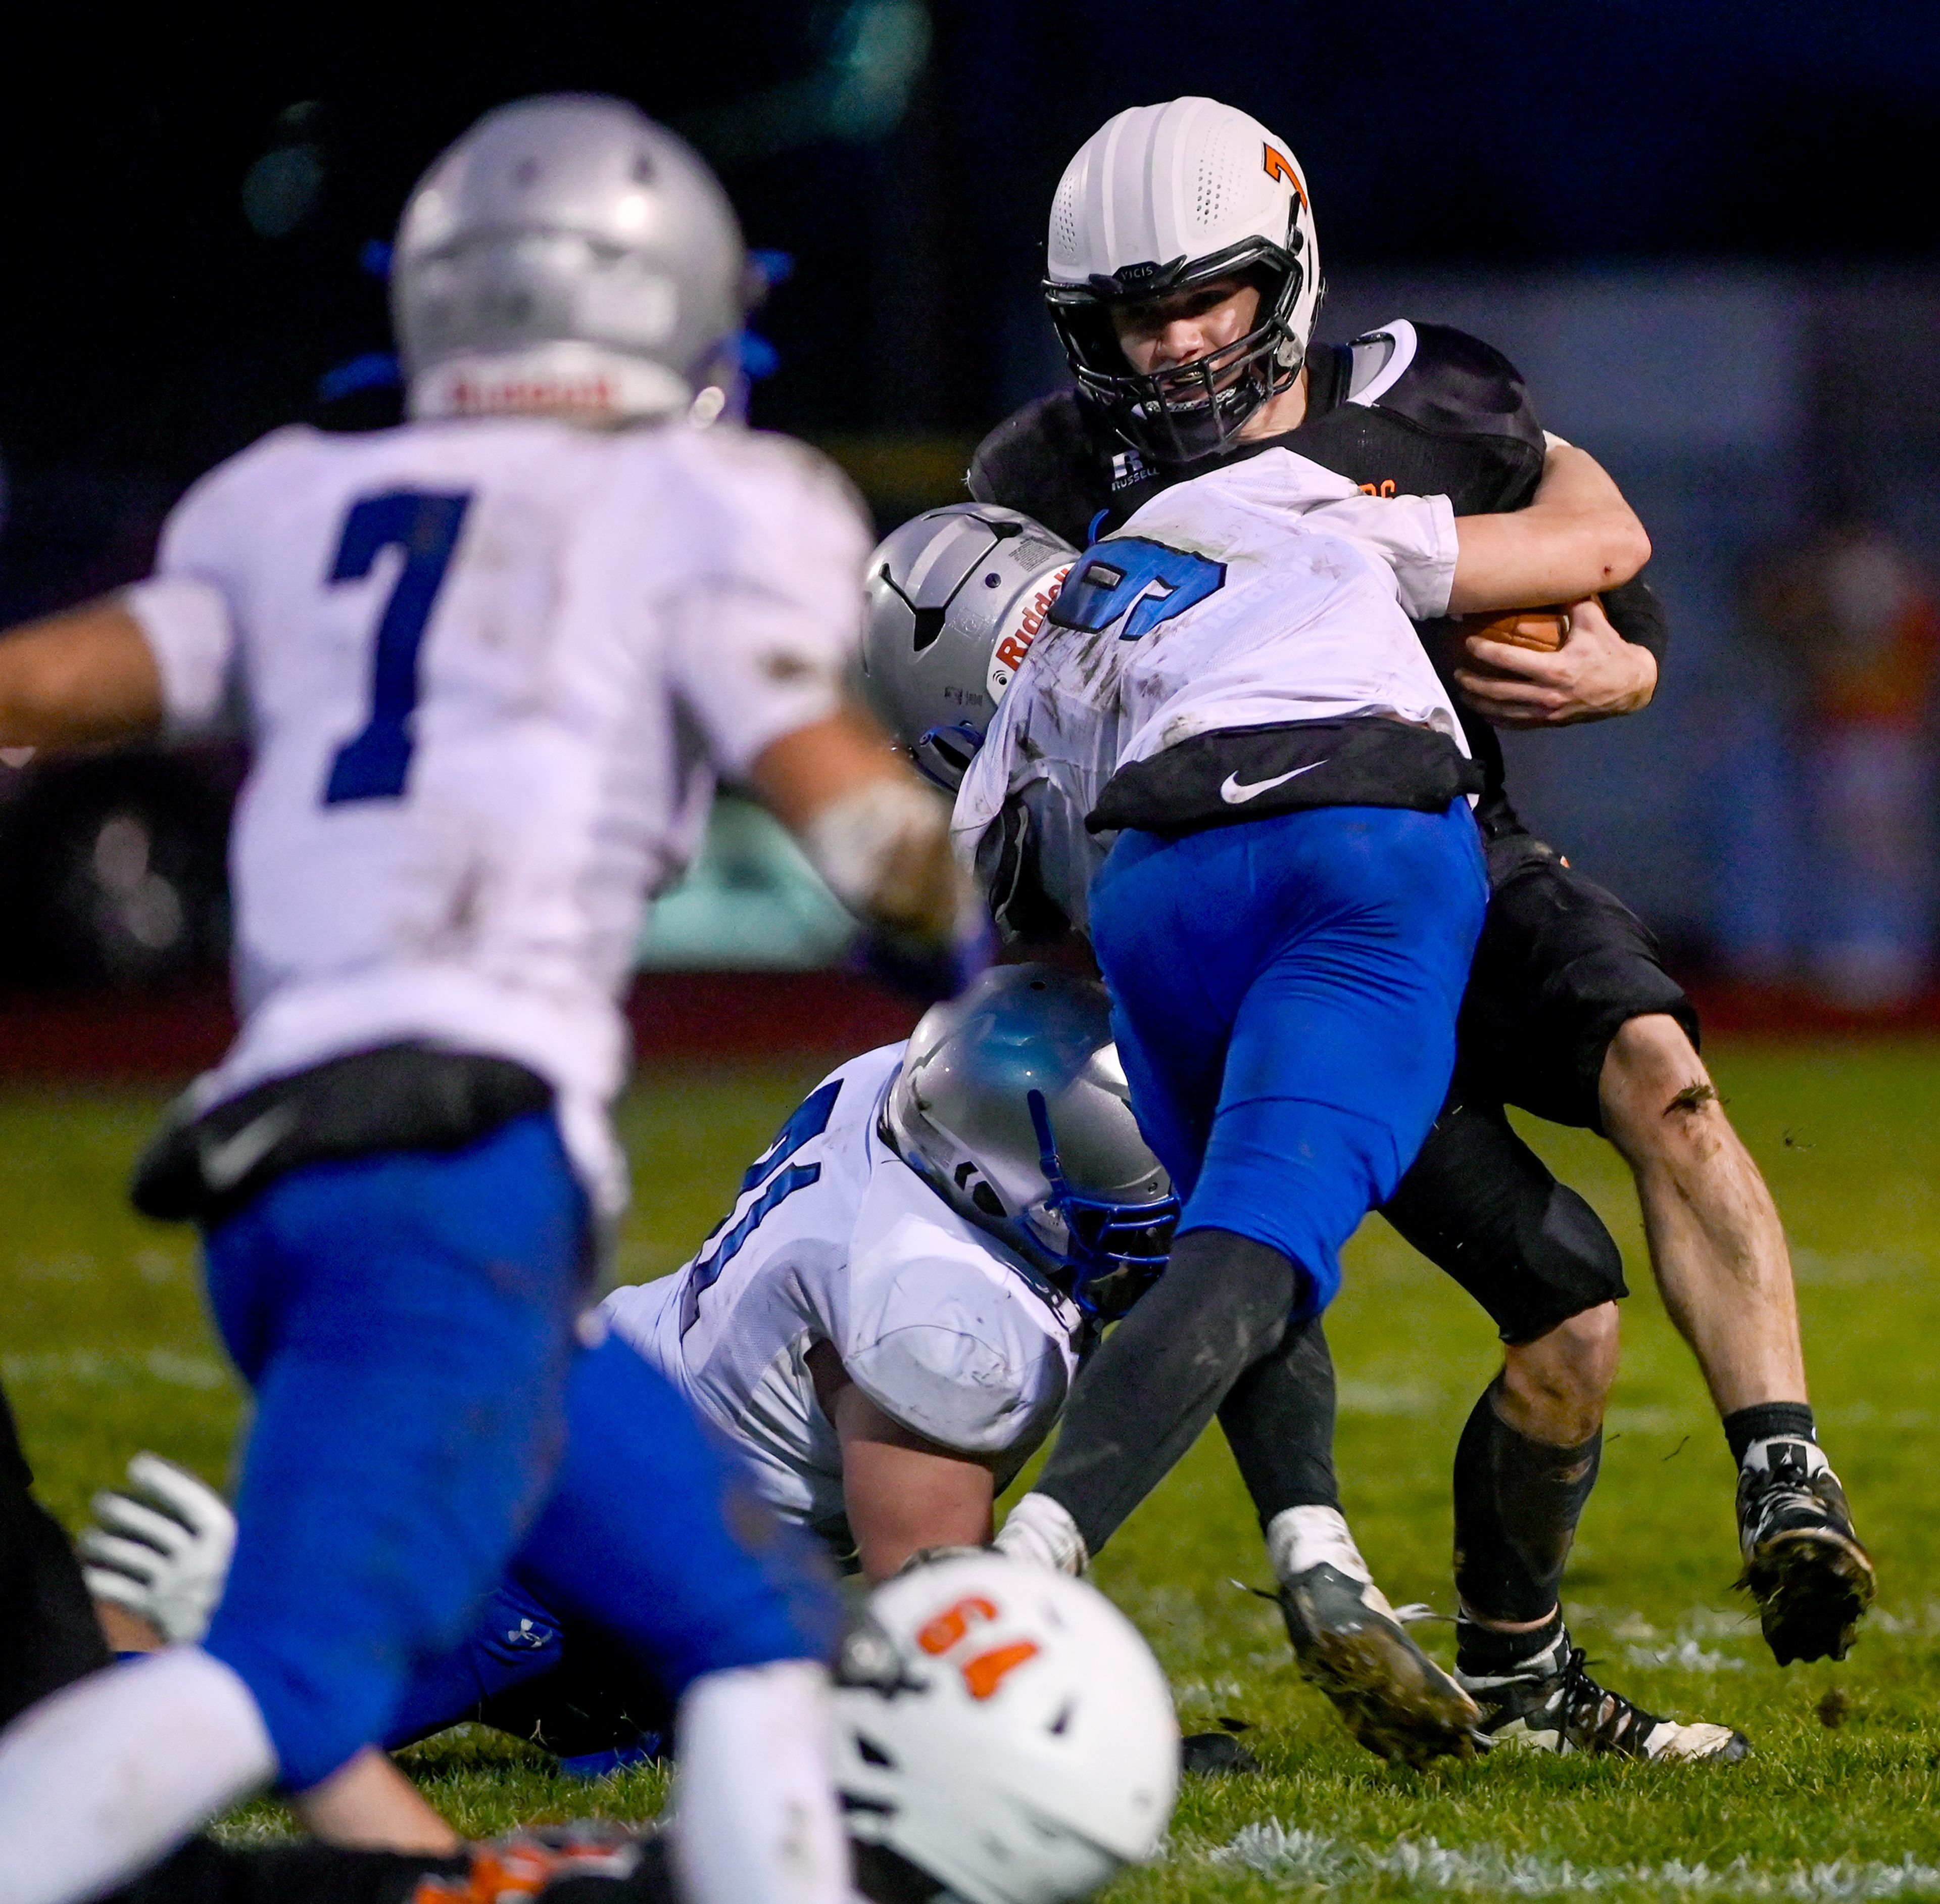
x: 1547, y: 629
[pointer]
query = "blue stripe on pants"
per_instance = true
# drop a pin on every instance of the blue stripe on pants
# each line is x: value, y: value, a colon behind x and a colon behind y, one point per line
x: 1284, y: 996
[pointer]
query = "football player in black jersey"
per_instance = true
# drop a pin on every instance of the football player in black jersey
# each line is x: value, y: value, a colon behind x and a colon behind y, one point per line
x: 1188, y: 338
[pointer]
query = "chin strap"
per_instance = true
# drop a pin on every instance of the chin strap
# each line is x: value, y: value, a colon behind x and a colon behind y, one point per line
x: 1047, y: 1150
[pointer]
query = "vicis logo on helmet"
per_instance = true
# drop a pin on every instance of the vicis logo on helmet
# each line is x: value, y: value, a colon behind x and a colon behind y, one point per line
x: 1008, y: 655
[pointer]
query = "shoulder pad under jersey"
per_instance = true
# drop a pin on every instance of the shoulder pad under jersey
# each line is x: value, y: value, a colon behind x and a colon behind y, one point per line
x: 1444, y: 380
x: 1047, y: 459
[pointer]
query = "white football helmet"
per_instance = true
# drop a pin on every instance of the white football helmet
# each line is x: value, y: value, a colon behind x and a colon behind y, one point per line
x: 568, y: 254
x: 1004, y: 1729
x: 1159, y: 199
x: 955, y: 599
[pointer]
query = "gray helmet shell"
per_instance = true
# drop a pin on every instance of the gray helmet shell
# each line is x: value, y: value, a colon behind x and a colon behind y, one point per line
x: 567, y: 254
x: 959, y: 1114
x: 956, y: 596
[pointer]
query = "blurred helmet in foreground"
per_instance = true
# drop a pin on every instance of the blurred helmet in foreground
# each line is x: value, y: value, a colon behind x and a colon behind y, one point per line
x: 1004, y: 1729
x: 1012, y: 1105
x: 956, y: 598
x: 568, y: 254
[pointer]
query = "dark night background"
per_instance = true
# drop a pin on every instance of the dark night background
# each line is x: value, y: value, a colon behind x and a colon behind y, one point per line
x: 150, y: 329
x: 1709, y: 232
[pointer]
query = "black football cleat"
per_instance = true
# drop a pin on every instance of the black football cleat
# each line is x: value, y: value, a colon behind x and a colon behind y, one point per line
x: 531, y: 1861
x: 1551, y: 1704
x: 1209, y: 1755
x: 1804, y: 1564
x: 1396, y: 1700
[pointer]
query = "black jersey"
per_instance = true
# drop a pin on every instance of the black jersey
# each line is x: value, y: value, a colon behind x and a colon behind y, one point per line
x: 1413, y: 409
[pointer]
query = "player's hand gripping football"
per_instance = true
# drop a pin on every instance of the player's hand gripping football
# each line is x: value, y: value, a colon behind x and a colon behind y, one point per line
x: 1595, y: 674
x: 162, y: 1551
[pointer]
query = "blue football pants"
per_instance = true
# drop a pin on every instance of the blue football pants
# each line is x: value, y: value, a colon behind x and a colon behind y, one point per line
x: 1284, y: 996
x: 406, y: 1323
x: 653, y: 1556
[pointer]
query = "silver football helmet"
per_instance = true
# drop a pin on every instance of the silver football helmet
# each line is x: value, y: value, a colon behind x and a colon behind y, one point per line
x: 568, y: 254
x: 1002, y: 1732
x: 955, y: 597
x: 1012, y: 1105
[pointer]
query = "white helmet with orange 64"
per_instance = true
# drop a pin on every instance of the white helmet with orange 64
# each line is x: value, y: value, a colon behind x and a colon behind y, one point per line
x: 1002, y: 1730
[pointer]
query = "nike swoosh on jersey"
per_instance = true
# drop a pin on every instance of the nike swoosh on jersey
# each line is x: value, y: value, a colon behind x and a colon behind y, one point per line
x: 1235, y: 793
x: 225, y: 1165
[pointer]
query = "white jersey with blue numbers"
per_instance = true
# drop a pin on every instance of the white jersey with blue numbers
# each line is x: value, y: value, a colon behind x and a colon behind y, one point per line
x: 834, y: 1239
x: 488, y: 670
x: 1268, y: 590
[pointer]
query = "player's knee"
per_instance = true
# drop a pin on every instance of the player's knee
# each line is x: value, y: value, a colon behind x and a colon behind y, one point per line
x: 1554, y: 1389
x: 1657, y: 1096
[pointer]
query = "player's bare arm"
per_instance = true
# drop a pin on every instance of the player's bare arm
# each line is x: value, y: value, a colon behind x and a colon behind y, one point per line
x: 1595, y: 675
x: 1578, y: 535
x: 903, y: 1492
x: 874, y: 833
x: 78, y: 678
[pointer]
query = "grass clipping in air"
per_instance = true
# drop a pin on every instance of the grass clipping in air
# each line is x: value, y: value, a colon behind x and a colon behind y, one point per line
x: 107, y: 1351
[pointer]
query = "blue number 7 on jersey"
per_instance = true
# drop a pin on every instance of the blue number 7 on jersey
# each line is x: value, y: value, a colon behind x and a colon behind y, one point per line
x: 372, y: 764
x: 1127, y: 573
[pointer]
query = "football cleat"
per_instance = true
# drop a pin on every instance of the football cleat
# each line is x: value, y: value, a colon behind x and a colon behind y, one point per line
x: 1551, y: 1704
x: 1395, y: 1699
x: 530, y: 1862
x: 1804, y: 1564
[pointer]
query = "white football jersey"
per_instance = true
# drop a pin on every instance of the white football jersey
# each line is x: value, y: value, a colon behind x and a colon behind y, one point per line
x: 1269, y: 590
x: 489, y: 669
x: 834, y: 1239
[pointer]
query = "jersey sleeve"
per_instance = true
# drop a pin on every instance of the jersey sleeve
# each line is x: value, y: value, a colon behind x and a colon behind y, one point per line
x: 759, y: 646
x: 186, y: 608
x: 945, y: 1339
x: 1414, y: 535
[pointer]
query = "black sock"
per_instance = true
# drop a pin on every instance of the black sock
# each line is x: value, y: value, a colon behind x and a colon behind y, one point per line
x: 1763, y: 1419
x: 1156, y: 1380
x: 1279, y: 1422
x: 52, y: 1634
x: 1482, y: 1652
x: 202, y: 1872
x: 1516, y: 1505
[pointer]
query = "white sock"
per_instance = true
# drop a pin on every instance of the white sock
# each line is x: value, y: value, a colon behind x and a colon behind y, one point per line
x: 1039, y: 1529
x: 755, y: 1819
x: 1757, y: 1457
x: 104, y: 1778
x: 1298, y: 1538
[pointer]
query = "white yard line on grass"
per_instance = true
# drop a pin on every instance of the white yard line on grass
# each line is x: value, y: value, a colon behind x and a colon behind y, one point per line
x: 1311, y: 1857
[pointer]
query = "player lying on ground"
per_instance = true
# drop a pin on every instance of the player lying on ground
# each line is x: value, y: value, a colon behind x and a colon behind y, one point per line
x: 884, y: 1327
x: 1569, y: 1012
x: 491, y: 664
x: 1004, y: 1744
x: 939, y: 645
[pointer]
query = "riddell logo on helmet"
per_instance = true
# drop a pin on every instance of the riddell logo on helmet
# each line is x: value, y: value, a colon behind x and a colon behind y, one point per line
x: 1008, y: 655
x: 984, y: 1672
x: 593, y: 393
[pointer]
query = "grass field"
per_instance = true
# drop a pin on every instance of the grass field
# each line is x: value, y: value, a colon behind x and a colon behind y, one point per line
x: 105, y: 1350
